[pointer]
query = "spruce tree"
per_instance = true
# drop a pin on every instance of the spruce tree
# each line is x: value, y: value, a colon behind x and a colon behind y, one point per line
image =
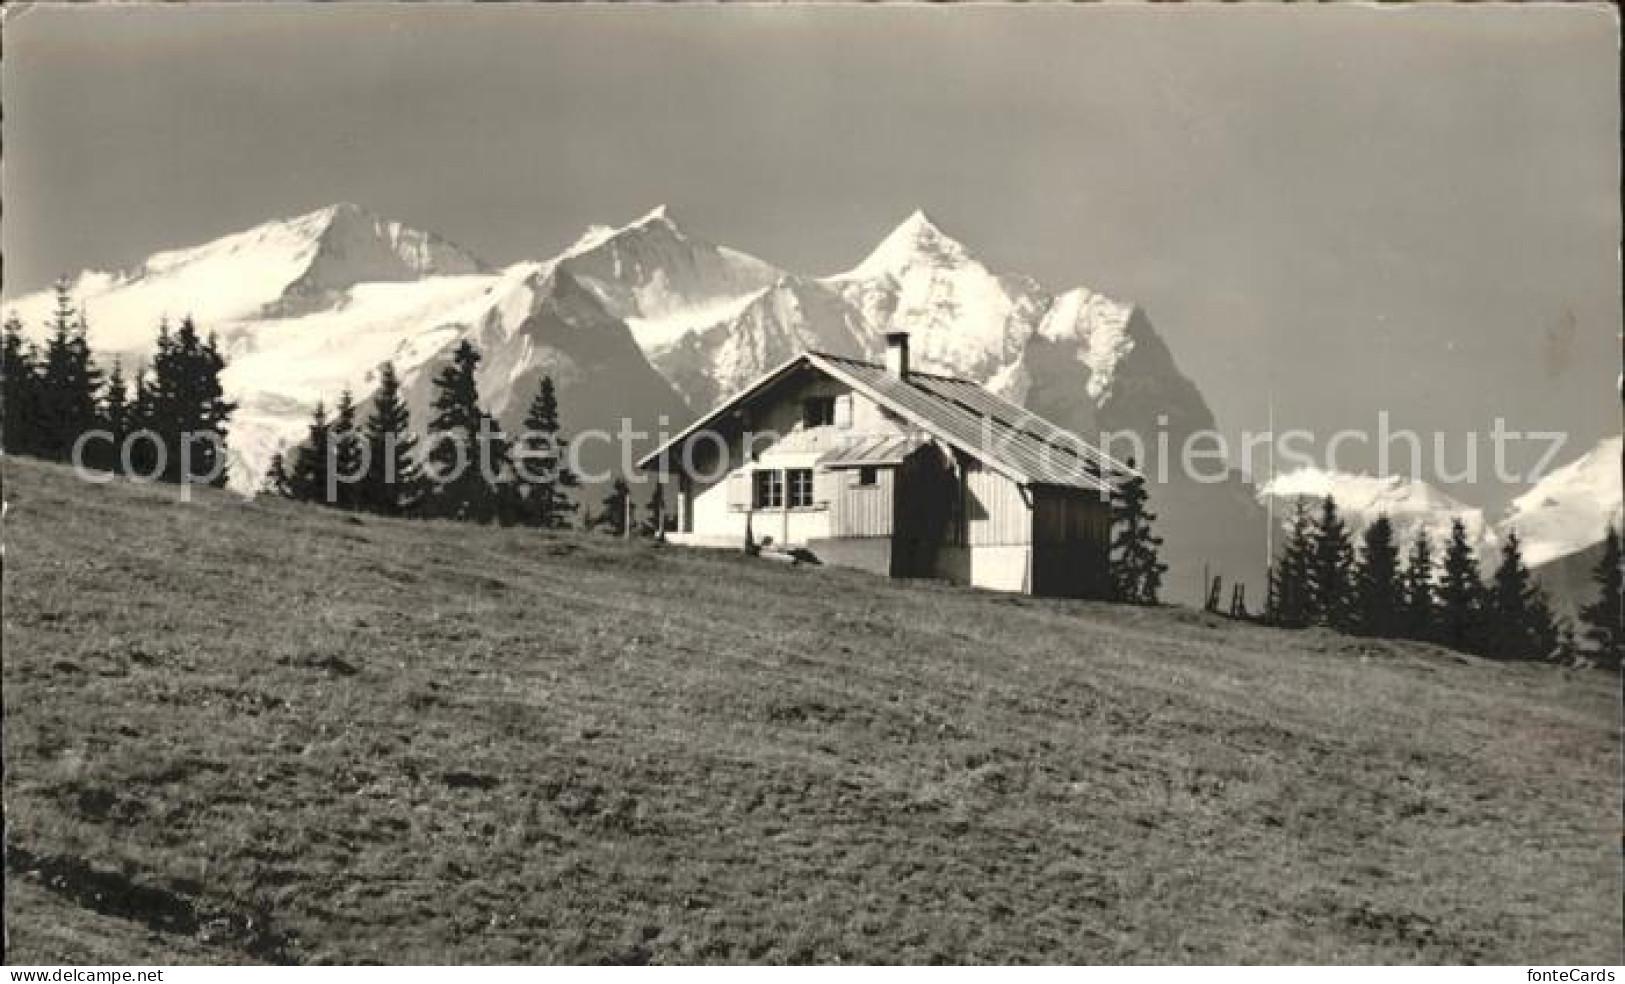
x: 1460, y: 593
x: 1290, y: 596
x: 187, y: 406
x: 142, y: 416
x: 69, y: 381
x: 1604, y: 618
x: 349, y: 454
x: 544, y: 476
x: 1417, y: 617
x: 459, y: 490
x: 312, y: 461
x: 654, y: 511
x: 1518, y: 621
x: 1330, y: 576
x: 20, y: 372
x: 277, y: 481
x: 392, y: 483
x: 616, y: 506
x: 117, y: 417
x: 1378, y: 592
x: 1134, y: 569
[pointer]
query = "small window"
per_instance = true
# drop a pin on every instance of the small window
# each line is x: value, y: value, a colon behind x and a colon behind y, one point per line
x: 868, y: 475
x: 801, y: 487
x: 818, y: 411
x: 768, y: 490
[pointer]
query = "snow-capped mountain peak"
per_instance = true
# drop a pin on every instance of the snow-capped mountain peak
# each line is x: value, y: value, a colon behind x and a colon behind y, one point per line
x: 662, y: 281
x: 915, y: 241
x: 1570, y: 508
x: 276, y: 269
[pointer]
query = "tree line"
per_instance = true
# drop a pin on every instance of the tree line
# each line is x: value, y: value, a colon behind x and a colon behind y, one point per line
x: 1319, y: 578
x: 464, y: 468
x: 57, y: 404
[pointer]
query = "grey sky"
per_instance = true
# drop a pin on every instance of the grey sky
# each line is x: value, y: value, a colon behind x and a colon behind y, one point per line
x: 1351, y: 208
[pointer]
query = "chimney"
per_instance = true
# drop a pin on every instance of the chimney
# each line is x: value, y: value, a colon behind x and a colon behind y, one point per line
x: 897, y: 353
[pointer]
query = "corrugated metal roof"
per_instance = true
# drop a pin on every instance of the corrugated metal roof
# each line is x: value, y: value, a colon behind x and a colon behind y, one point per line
x: 1005, y: 437
x: 884, y: 450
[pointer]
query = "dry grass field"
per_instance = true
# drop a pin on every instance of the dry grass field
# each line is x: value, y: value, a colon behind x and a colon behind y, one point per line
x: 259, y: 732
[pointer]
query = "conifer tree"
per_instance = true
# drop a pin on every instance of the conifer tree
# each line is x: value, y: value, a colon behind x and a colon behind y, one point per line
x: 1378, y: 592
x: 186, y: 404
x: 1331, y: 567
x: 617, y: 504
x: 1518, y: 621
x: 1604, y: 618
x: 349, y: 454
x: 654, y: 511
x: 1417, y: 617
x: 19, y: 370
x: 506, y: 502
x: 392, y: 483
x: 142, y: 415
x: 69, y: 380
x: 1290, y: 593
x: 1460, y: 593
x: 459, y: 490
x: 312, y: 461
x: 1134, y: 569
x: 117, y: 416
x: 277, y: 481
x: 545, y: 477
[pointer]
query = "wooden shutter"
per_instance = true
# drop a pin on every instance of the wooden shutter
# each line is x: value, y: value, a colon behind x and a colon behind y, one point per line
x: 739, y: 490
x: 826, y: 483
x: 843, y: 411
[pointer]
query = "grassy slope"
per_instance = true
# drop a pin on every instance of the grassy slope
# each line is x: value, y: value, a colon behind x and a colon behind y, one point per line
x: 300, y: 737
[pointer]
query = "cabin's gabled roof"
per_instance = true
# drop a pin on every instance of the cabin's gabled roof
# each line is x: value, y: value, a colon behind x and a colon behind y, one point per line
x: 1006, y: 438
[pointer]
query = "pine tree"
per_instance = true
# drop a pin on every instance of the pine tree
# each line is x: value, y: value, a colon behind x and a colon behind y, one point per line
x: 1134, y: 569
x: 505, y: 490
x: 349, y: 454
x: 459, y: 490
x: 1518, y: 621
x: 1330, y: 576
x: 142, y: 417
x: 1604, y: 618
x: 544, y: 476
x: 392, y: 483
x: 1378, y: 592
x: 186, y: 405
x: 277, y: 481
x: 1290, y: 595
x: 69, y: 380
x: 117, y: 417
x: 654, y: 512
x: 1460, y: 593
x: 20, y: 372
x: 1417, y: 618
x: 313, y: 460
x: 617, y: 504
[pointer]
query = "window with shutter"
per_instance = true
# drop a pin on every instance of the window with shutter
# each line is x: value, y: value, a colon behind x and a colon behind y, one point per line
x: 843, y: 411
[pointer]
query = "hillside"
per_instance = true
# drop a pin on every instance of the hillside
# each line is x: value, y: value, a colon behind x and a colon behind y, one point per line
x: 246, y: 731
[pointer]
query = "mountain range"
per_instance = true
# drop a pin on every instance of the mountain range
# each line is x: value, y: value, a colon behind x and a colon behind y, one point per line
x: 647, y: 322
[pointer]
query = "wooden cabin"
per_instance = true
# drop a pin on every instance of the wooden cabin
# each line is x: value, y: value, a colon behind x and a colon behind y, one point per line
x: 898, y: 472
